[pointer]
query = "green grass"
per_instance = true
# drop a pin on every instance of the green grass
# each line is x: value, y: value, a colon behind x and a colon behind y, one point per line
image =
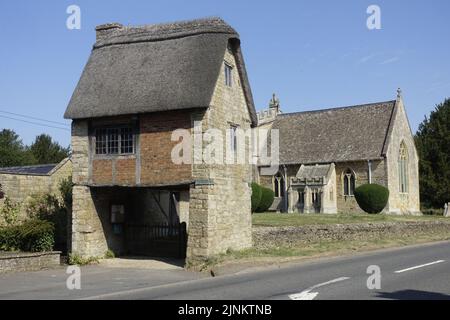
x: 319, y: 248
x: 328, y: 248
x: 294, y: 219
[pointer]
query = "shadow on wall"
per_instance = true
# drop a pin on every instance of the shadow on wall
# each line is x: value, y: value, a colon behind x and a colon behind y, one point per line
x: 413, y: 295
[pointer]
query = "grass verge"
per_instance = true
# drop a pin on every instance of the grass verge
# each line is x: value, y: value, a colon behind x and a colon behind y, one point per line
x: 258, y: 257
x: 325, y: 248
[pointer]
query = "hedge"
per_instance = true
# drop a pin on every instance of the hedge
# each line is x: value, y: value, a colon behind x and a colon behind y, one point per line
x: 256, y: 196
x: 30, y: 236
x: 372, y: 198
x: 267, y: 197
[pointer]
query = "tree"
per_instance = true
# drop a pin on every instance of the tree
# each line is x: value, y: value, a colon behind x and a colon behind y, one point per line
x: 433, y: 145
x: 45, y: 150
x: 12, y: 150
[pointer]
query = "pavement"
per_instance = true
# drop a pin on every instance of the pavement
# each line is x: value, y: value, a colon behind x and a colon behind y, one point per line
x: 415, y: 272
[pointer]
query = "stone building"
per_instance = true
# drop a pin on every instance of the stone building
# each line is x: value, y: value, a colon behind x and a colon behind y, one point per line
x: 19, y: 183
x: 326, y: 154
x: 139, y: 86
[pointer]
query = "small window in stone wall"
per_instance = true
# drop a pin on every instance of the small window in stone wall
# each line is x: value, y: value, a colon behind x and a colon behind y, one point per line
x: 228, y: 75
x: 403, y: 168
x: 279, y: 186
x: 349, y: 183
x: 114, y: 141
x: 233, y: 138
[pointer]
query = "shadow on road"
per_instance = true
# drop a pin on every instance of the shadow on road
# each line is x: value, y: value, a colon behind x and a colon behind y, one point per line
x: 413, y: 295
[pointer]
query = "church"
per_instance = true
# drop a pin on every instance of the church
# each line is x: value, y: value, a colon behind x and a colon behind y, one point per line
x: 325, y: 155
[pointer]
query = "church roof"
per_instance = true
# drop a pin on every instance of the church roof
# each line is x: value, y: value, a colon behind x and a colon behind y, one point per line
x: 156, y: 67
x: 314, y: 171
x: 334, y: 135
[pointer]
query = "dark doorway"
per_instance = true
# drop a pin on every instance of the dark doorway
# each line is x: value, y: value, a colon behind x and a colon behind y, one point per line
x: 162, y: 240
x: 154, y: 228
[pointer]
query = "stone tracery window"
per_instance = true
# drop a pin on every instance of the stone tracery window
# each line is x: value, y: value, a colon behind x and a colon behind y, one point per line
x: 349, y: 181
x: 279, y: 185
x: 403, y: 168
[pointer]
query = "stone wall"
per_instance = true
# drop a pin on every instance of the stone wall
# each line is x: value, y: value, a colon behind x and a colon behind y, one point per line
x: 89, y: 236
x: 25, y: 261
x: 295, y: 237
x: 80, y: 152
x: 347, y: 204
x: 401, y: 132
x: 220, y: 213
x: 19, y: 187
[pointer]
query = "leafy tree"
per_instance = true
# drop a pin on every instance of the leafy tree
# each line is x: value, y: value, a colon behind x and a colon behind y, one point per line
x: 45, y: 150
x: 12, y: 150
x: 433, y: 145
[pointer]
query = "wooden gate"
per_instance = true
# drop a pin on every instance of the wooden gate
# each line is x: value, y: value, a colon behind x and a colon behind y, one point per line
x: 163, y: 240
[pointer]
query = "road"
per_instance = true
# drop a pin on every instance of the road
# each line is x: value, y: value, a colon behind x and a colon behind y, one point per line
x: 418, y: 272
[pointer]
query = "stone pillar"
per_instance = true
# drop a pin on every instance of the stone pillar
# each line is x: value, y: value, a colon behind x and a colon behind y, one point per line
x: 88, y: 238
x: 308, y: 200
x: 293, y: 200
x: 219, y: 219
x: 197, y: 248
x: 321, y: 195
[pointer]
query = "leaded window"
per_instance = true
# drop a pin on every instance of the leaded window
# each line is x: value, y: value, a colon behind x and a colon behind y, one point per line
x: 113, y: 141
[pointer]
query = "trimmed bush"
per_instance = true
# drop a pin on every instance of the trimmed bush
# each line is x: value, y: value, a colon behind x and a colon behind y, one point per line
x: 267, y: 197
x: 372, y: 198
x: 256, y: 196
x: 31, y: 236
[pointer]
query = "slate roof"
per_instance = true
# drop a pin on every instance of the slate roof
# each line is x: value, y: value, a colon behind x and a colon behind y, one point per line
x: 36, y: 170
x: 155, y: 68
x: 40, y: 170
x: 313, y: 171
x: 334, y: 135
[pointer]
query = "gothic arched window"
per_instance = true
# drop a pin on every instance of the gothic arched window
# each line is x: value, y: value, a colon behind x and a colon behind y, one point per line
x: 279, y: 185
x: 403, y: 168
x: 349, y: 183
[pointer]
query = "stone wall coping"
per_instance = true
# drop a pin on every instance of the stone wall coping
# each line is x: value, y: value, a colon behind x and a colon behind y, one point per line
x: 4, y: 255
x: 349, y: 226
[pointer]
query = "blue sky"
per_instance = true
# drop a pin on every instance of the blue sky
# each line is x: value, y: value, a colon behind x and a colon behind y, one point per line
x: 313, y: 54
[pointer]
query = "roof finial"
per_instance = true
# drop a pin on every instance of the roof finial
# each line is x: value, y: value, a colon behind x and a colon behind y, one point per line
x: 399, y: 93
x: 274, y: 102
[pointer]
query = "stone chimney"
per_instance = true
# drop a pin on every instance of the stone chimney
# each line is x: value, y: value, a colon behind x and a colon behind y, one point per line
x: 103, y: 31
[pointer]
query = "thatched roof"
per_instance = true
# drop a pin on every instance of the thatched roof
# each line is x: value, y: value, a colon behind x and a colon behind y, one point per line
x: 155, y: 68
x: 334, y: 135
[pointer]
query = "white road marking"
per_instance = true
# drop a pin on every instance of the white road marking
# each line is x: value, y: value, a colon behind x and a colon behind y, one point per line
x: 308, y: 295
x: 420, y: 266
